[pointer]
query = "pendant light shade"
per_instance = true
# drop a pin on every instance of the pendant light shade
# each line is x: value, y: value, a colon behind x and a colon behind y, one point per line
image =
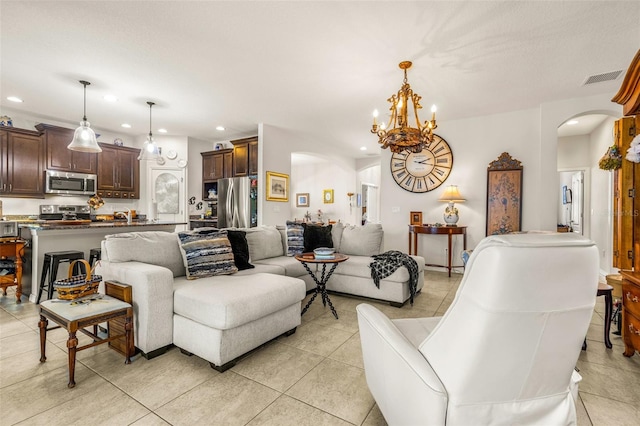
x: 149, y: 151
x: 84, y: 138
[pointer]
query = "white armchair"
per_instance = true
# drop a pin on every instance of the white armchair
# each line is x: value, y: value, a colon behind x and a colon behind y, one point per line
x: 505, y: 350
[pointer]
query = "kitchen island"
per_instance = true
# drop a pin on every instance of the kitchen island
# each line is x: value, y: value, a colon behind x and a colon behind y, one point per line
x: 43, y: 237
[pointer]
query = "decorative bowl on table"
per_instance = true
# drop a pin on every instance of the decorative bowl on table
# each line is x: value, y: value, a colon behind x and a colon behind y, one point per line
x: 324, y: 251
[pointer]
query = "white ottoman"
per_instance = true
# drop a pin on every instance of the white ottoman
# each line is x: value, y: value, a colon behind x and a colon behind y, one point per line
x: 223, y: 317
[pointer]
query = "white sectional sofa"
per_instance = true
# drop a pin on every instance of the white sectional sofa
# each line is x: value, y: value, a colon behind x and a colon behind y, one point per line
x: 221, y: 317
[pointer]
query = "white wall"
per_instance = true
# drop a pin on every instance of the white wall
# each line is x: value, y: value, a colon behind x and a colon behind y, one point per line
x: 601, y: 211
x: 528, y: 135
x: 275, y: 146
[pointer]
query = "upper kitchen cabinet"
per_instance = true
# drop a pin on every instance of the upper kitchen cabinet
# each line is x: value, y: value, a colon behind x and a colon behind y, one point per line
x: 21, y: 163
x: 217, y: 164
x: 59, y: 157
x: 118, y: 172
x: 245, y: 156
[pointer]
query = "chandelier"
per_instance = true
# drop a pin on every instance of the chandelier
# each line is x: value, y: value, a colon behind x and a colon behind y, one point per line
x: 399, y: 136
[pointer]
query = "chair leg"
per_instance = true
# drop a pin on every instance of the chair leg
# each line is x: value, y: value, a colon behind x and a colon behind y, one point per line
x: 608, y: 307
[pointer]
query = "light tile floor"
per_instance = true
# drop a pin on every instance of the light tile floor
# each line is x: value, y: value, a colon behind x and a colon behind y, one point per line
x: 314, y: 377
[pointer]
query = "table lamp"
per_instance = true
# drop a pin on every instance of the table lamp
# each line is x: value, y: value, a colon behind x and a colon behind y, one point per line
x: 451, y: 195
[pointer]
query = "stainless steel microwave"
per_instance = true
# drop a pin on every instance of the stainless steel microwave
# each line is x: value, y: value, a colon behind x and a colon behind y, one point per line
x: 64, y: 183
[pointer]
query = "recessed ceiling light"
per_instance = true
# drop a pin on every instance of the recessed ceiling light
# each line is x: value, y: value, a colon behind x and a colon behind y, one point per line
x: 111, y: 98
x: 572, y: 122
x: 162, y: 130
x: 126, y: 125
x: 14, y: 99
x: 220, y: 128
x: 363, y: 148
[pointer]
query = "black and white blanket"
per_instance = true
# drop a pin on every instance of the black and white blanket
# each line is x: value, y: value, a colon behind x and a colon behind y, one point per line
x: 387, y: 263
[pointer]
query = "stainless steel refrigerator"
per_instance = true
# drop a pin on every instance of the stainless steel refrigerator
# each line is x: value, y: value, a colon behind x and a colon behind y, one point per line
x: 238, y: 202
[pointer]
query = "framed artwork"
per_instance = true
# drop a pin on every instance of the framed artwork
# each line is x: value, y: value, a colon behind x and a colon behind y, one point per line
x: 277, y: 186
x: 504, y: 195
x: 302, y: 199
x: 415, y: 218
x: 327, y: 196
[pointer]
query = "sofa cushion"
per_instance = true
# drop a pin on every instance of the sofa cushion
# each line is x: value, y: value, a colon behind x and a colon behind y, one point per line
x: 153, y: 247
x: 264, y: 242
x: 226, y: 302
x: 295, y: 238
x: 240, y: 248
x: 336, y: 235
x: 358, y: 266
x: 316, y: 236
x: 206, y: 253
x: 290, y: 266
x: 362, y: 240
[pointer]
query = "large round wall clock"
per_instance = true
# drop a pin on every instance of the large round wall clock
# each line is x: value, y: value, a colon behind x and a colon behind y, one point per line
x: 423, y: 171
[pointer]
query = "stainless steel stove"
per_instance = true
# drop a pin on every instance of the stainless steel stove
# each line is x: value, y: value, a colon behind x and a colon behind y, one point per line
x: 64, y: 212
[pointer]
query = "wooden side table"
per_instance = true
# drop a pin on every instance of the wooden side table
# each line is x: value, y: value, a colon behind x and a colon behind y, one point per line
x: 76, y: 316
x: 321, y: 284
x: 12, y: 250
x: 450, y: 231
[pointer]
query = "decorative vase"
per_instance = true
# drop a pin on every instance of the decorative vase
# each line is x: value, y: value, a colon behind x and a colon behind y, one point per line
x: 6, y: 121
x: 451, y: 215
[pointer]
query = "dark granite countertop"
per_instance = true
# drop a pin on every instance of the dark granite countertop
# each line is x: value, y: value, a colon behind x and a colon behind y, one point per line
x: 44, y: 225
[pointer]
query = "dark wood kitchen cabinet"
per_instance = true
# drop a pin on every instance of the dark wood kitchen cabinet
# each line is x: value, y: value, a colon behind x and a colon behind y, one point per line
x: 59, y: 157
x: 217, y: 164
x: 245, y: 156
x: 21, y: 163
x: 118, y: 172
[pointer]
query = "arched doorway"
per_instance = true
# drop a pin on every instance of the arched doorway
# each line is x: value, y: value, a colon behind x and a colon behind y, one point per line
x: 584, y: 191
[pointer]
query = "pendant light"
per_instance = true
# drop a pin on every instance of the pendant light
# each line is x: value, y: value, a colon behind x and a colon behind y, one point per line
x: 149, y: 151
x: 84, y: 138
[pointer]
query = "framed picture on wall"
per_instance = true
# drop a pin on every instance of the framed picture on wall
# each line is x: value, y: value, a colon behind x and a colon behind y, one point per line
x: 415, y: 218
x: 302, y: 199
x: 277, y: 186
x: 504, y: 195
x: 327, y: 196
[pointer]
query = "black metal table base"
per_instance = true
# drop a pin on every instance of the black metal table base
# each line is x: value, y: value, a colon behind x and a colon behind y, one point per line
x: 321, y: 287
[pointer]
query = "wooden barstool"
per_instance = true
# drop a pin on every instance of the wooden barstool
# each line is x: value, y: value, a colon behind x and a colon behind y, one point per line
x: 50, y: 266
x: 605, y: 290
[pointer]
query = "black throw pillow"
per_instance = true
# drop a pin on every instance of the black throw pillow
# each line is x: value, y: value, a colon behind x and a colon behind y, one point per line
x: 240, y: 248
x: 316, y: 236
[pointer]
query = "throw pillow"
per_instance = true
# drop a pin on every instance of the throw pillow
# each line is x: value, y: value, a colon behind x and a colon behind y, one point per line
x: 154, y: 247
x: 316, y: 236
x: 264, y: 242
x: 362, y: 240
x: 206, y: 253
x: 295, y: 238
x: 238, y: 240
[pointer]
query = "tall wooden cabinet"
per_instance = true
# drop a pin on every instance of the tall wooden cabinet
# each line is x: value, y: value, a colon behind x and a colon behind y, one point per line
x: 59, y: 157
x: 21, y: 163
x: 118, y: 172
x: 217, y: 164
x: 626, y: 202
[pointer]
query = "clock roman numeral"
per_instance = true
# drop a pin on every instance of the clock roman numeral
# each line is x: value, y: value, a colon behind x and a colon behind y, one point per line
x: 442, y: 160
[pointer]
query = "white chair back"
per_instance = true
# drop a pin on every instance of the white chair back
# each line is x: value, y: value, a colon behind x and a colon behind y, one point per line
x: 512, y: 335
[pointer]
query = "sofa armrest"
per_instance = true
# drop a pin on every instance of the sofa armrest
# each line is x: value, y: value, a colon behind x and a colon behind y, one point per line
x: 152, y: 288
x: 402, y: 382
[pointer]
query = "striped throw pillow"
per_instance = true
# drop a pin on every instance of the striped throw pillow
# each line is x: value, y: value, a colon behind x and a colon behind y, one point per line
x: 206, y: 252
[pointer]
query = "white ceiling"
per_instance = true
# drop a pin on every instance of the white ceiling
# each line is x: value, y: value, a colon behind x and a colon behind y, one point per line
x: 316, y: 68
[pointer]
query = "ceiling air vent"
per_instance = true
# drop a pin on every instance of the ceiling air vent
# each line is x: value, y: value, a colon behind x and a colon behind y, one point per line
x: 599, y: 78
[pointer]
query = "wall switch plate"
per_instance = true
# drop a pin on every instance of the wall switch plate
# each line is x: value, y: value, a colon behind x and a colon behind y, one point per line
x: 395, y: 209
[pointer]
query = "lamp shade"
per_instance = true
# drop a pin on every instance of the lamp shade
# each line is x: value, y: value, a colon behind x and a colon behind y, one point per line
x: 149, y: 151
x: 451, y: 195
x: 84, y: 139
